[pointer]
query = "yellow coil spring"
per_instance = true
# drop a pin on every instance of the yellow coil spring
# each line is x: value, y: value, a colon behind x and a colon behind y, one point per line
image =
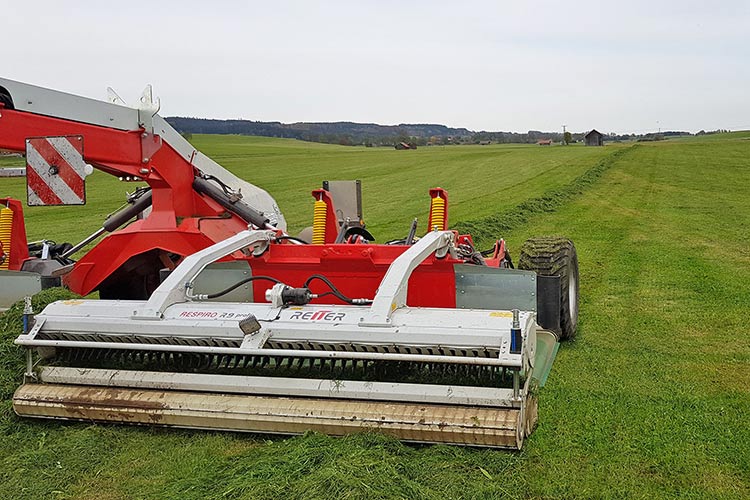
x: 437, y: 211
x: 6, y: 225
x: 319, y: 222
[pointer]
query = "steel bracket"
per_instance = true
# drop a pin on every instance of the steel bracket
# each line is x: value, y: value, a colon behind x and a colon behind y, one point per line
x: 147, y: 109
x: 391, y: 294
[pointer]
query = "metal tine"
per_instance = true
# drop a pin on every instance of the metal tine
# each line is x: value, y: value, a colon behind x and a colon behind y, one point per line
x: 71, y: 355
x: 316, y: 365
x: 395, y: 371
x: 245, y: 361
x: 201, y: 361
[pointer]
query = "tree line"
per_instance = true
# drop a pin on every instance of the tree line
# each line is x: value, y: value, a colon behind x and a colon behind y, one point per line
x: 372, y: 134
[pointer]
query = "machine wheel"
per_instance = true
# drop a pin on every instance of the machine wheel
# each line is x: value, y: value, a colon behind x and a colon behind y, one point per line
x: 136, y: 279
x: 556, y: 256
x: 6, y: 99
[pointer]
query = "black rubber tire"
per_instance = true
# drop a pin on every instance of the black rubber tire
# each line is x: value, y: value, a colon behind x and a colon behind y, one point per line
x: 556, y: 256
x: 136, y: 279
x: 6, y: 99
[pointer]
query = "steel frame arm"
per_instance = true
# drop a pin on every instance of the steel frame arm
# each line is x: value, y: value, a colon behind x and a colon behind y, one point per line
x: 391, y: 294
x: 119, y: 140
x: 176, y: 288
x: 130, y: 142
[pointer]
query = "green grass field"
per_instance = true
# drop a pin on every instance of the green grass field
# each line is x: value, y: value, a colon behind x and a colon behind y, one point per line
x: 650, y: 401
x: 481, y: 181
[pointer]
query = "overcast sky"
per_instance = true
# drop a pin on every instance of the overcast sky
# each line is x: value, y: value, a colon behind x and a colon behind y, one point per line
x: 616, y: 66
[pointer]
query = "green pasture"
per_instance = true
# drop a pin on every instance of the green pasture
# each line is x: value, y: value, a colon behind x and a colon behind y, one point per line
x: 481, y: 180
x: 651, y: 400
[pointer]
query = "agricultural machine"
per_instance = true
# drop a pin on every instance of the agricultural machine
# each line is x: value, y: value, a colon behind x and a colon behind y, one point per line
x: 211, y: 316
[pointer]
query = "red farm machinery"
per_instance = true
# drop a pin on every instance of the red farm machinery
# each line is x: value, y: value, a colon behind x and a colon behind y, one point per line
x: 211, y: 316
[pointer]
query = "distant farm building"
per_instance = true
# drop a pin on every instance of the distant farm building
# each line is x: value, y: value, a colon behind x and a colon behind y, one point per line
x: 13, y: 172
x: 405, y: 145
x: 544, y: 142
x: 594, y: 138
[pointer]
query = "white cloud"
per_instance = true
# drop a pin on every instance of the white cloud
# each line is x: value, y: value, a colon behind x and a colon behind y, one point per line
x: 482, y: 65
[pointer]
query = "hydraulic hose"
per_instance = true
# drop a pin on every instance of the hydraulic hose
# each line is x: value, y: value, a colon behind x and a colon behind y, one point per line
x: 231, y: 203
x: 124, y: 215
x: 114, y: 222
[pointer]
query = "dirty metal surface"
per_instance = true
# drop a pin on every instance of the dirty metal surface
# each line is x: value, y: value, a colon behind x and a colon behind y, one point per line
x: 281, y: 386
x: 15, y: 285
x: 426, y: 423
x: 482, y: 287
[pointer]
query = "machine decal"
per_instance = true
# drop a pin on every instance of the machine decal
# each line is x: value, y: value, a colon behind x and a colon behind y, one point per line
x: 318, y: 316
x: 501, y: 314
x: 199, y: 314
x: 213, y: 315
x: 56, y: 171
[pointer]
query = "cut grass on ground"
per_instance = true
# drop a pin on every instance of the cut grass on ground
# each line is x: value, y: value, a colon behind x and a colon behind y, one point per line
x: 650, y: 401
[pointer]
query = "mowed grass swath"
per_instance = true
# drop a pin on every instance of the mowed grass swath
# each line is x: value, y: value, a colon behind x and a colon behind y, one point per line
x: 650, y: 401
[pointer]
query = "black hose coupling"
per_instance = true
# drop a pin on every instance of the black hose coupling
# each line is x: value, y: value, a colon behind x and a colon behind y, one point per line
x: 285, y: 295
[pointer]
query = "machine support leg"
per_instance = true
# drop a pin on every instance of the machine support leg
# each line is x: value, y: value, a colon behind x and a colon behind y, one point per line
x: 29, y: 375
x: 28, y: 312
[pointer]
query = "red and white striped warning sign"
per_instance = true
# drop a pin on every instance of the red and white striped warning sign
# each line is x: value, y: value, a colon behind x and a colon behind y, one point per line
x: 56, y: 171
